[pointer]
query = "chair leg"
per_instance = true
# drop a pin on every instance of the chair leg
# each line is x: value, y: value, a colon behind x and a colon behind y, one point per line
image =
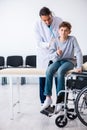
x: 4, y: 80
x: 23, y: 80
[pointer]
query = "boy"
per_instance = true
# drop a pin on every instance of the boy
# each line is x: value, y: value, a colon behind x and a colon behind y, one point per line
x: 62, y: 54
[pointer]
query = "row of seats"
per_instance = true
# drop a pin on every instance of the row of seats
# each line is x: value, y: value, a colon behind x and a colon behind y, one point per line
x: 17, y: 61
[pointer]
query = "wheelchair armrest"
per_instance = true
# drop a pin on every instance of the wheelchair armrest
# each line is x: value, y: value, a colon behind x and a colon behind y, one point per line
x: 84, y: 73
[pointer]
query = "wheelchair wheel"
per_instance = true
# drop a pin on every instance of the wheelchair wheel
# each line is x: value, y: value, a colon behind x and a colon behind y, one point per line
x: 81, y: 105
x: 61, y: 121
x: 71, y: 114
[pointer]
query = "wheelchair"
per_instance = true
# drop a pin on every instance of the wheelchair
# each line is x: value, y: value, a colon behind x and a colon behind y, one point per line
x: 81, y: 106
x: 75, y: 84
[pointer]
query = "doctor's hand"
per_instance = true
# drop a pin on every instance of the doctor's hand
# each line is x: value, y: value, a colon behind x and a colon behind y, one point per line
x: 59, y: 51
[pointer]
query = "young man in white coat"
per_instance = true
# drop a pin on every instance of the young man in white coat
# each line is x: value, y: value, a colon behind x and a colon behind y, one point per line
x: 46, y: 29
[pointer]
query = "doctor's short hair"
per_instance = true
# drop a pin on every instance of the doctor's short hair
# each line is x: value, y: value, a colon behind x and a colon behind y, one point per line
x: 45, y: 11
x: 65, y: 24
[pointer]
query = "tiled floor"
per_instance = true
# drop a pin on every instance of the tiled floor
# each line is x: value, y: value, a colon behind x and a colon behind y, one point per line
x: 30, y: 117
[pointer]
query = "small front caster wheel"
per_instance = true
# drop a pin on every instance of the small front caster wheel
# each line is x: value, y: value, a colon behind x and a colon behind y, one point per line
x: 61, y: 121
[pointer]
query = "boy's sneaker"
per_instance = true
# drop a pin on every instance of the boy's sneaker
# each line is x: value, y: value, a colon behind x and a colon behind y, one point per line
x: 42, y: 104
x: 58, y: 108
x: 47, y: 103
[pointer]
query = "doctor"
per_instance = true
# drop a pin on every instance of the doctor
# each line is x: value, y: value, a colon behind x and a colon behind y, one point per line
x: 46, y: 29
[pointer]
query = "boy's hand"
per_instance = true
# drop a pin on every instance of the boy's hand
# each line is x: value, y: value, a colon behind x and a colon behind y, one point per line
x: 59, y: 51
x: 79, y: 70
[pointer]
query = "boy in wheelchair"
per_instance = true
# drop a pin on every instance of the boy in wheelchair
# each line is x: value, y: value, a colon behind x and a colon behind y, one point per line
x: 62, y: 57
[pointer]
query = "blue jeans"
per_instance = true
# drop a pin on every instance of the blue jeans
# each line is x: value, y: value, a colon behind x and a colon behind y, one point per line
x: 60, y: 67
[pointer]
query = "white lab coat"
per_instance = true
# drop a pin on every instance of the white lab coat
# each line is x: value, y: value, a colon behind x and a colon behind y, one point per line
x: 43, y: 37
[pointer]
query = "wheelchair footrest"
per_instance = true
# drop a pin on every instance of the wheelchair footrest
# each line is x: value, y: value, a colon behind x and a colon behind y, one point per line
x: 48, y: 110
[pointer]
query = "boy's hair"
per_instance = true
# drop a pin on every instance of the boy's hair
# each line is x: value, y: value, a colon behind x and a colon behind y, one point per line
x: 45, y: 11
x: 65, y: 24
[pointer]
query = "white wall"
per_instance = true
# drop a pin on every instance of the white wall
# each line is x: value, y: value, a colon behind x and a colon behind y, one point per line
x: 17, y: 19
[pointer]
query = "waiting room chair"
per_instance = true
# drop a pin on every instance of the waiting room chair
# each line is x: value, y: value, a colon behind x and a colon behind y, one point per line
x: 2, y: 65
x: 2, y: 62
x: 30, y: 61
x: 16, y: 61
x: 84, y: 58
